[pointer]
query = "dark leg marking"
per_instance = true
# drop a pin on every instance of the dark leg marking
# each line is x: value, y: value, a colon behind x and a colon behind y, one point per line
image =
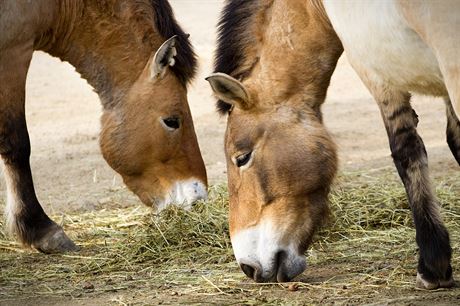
x: 453, y: 131
x: 25, y: 215
x: 410, y: 158
x: 404, y: 109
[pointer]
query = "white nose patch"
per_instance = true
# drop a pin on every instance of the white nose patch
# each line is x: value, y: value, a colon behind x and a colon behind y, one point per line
x: 184, y: 194
x: 257, y: 247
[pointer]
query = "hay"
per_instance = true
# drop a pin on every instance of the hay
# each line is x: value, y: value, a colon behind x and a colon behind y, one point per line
x: 133, y: 256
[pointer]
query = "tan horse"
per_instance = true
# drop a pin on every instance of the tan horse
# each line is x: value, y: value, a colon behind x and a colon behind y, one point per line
x: 139, y: 61
x: 278, y: 58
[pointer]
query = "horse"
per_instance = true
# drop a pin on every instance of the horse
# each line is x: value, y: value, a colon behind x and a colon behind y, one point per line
x: 273, y: 65
x: 139, y: 61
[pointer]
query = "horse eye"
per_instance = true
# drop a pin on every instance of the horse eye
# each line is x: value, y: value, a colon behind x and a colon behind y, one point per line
x: 243, y: 159
x: 172, y: 122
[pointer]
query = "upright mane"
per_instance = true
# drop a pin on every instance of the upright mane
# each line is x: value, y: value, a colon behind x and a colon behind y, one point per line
x: 167, y: 26
x: 233, y: 37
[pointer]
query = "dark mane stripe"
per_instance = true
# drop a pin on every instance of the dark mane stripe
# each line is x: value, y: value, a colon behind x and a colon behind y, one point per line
x: 186, y: 63
x: 231, y: 39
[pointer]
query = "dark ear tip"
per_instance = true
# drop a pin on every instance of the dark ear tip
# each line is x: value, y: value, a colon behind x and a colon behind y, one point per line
x: 174, y: 39
x: 212, y: 75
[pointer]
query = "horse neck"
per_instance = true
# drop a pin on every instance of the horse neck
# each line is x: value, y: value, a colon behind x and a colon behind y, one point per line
x: 299, y: 53
x: 108, y: 52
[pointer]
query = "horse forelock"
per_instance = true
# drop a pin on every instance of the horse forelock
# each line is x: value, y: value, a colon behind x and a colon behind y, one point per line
x: 254, y: 31
x: 186, y: 63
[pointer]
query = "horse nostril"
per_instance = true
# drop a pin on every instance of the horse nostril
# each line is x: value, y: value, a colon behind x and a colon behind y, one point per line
x: 280, y: 274
x: 279, y: 257
x: 248, y: 270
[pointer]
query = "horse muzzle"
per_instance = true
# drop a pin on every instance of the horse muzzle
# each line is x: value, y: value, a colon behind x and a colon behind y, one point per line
x: 184, y: 194
x: 264, y: 258
x: 283, y: 269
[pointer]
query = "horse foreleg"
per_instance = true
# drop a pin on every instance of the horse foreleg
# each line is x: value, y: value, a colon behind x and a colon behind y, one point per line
x: 453, y: 131
x: 25, y: 216
x: 409, y: 156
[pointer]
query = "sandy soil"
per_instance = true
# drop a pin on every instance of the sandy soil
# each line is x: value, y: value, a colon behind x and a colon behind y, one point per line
x: 63, y: 118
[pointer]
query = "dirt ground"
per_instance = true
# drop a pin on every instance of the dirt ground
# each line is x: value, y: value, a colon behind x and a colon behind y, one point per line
x: 63, y: 119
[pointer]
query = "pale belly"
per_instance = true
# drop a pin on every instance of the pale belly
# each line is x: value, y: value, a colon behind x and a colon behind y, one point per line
x: 382, y: 48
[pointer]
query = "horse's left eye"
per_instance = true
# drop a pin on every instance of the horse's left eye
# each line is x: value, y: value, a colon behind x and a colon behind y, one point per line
x: 243, y: 159
x: 172, y: 122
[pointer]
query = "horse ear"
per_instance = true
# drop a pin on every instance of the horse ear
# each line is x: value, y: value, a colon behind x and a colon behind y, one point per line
x: 229, y: 90
x: 163, y: 58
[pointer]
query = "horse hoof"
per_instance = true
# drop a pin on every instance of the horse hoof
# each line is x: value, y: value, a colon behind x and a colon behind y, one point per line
x: 55, y: 241
x: 430, y: 285
x: 447, y: 283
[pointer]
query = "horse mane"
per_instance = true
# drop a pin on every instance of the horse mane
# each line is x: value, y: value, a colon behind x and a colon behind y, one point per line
x: 186, y: 63
x: 232, y: 39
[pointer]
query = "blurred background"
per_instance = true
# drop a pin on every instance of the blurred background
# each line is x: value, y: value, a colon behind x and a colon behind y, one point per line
x: 63, y: 119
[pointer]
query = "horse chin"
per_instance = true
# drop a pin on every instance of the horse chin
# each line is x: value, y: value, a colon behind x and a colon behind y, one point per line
x: 183, y: 194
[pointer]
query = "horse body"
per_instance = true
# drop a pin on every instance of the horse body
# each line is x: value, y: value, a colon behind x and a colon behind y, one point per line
x: 379, y: 41
x: 274, y: 62
x: 139, y: 61
x: 407, y: 62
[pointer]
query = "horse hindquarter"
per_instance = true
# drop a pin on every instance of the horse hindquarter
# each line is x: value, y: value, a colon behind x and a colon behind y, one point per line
x: 382, y: 47
x: 438, y: 23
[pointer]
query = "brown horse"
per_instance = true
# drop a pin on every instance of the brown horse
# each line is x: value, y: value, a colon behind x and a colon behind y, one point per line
x: 274, y: 62
x: 139, y: 61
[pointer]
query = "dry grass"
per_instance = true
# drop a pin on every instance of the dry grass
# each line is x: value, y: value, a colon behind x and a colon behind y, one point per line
x: 130, y: 256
